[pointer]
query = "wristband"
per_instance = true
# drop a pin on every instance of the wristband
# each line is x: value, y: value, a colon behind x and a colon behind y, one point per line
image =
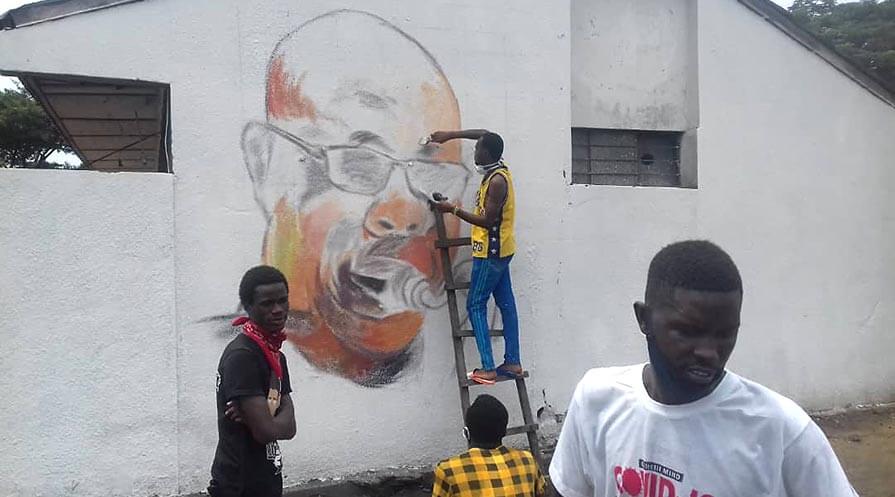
x: 456, y: 209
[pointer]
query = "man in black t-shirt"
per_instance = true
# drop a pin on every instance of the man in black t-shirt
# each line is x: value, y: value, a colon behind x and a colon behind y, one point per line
x: 253, y: 402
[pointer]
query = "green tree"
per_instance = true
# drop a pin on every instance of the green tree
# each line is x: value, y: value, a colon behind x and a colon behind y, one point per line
x: 861, y: 31
x: 27, y: 135
x: 813, y: 8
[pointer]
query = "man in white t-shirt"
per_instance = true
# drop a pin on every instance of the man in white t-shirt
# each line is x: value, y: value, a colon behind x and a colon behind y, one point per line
x: 681, y: 425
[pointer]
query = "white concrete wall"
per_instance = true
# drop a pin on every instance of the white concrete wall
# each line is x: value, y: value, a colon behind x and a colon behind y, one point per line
x: 215, y: 58
x: 796, y: 178
x: 793, y: 182
x: 88, y: 348
x: 795, y: 171
x: 633, y: 64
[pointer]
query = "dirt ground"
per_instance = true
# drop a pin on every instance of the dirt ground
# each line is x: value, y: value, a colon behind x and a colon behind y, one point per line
x: 865, y: 442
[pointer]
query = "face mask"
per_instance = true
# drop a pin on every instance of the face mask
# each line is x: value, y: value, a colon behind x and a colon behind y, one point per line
x: 483, y: 170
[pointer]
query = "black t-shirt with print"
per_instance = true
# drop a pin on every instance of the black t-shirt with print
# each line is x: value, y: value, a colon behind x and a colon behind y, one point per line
x: 242, y: 466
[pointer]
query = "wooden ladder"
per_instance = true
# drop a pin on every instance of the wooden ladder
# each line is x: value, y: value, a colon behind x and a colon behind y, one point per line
x: 444, y: 245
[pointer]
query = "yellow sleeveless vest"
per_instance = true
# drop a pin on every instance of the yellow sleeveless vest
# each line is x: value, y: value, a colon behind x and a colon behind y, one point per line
x: 500, y: 240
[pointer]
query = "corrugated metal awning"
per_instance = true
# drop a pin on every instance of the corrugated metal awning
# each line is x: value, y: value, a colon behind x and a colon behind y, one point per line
x: 112, y: 125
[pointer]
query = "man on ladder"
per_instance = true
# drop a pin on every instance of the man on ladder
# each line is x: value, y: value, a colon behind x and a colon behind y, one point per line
x: 493, y: 246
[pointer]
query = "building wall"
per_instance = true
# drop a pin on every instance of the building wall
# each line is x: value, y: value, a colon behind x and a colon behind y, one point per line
x: 793, y: 181
x: 796, y: 178
x: 257, y: 87
x: 634, y: 64
x: 88, y: 349
x: 235, y: 175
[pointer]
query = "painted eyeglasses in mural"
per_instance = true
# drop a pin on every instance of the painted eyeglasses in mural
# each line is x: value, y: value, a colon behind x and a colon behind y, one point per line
x: 340, y: 173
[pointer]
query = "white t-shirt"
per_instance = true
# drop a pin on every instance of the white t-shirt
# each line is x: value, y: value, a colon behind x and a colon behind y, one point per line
x: 742, y: 440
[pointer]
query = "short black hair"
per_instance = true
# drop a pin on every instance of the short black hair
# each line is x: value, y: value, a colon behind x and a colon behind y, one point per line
x: 487, y: 420
x: 255, y: 277
x: 692, y: 265
x: 493, y: 143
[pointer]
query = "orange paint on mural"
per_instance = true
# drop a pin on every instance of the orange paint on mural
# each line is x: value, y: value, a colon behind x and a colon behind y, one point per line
x: 324, y: 350
x: 294, y: 244
x: 281, y: 249
x: 418, y: 252
x: 441, y: 111
x: 402, y: 212
x: 320, y: 345
x: 284, y: 94
x: 393, y: 334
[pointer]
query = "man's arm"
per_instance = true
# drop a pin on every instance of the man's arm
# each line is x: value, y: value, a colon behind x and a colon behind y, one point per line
x: 811, y: 468
x: 541, y: 484
x: 245, y: 385
x: 264, y: 427
x: 497, y: 195
x: 571, y: 468
x: 441, y: 487
x: 469, y: 134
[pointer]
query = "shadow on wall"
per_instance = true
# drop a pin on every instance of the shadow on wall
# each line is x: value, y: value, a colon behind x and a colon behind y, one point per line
x: 341, y: 176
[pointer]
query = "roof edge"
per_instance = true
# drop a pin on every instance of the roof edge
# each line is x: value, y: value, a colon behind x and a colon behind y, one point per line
x: 782, y: 20
x: 52, y: 10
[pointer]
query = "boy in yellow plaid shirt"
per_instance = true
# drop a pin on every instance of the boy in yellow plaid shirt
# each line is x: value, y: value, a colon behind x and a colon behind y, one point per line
x: 488, y: 468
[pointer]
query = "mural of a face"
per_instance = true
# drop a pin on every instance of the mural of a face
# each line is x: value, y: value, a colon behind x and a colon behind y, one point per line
x: 340, y: 173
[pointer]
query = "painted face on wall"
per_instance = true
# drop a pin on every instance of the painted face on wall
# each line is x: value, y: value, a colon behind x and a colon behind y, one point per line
x: 339, y: 170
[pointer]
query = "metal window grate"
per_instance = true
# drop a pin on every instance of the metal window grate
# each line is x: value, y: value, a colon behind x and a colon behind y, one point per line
x: 626, y: 158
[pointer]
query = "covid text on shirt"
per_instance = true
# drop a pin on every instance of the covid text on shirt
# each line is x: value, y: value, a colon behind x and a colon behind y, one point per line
x: 651, y: 480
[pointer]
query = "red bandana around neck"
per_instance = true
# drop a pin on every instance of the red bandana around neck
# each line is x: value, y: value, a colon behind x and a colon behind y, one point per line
x: 270, y: 343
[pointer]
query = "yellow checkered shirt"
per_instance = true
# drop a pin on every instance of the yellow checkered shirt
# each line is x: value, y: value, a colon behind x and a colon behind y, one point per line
x: 499, y: 472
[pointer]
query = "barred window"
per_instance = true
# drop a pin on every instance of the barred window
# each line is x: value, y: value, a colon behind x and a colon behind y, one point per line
x: 626, y: 157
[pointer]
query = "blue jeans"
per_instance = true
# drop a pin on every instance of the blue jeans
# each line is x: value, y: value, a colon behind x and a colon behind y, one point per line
x: 492, y: 277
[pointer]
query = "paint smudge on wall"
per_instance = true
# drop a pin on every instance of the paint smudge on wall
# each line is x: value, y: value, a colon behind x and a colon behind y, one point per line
x: 284, y: 98
x: 338, y: 170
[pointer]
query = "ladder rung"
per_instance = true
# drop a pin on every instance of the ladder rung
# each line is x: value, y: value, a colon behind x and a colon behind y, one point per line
x: 453, y: 242
x: 466, y: 382
x: 515, y: 430
x: 470, y: 333
x: 463, y: 285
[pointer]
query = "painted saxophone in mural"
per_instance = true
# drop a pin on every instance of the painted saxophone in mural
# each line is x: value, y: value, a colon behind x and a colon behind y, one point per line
x: 340, y: 172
